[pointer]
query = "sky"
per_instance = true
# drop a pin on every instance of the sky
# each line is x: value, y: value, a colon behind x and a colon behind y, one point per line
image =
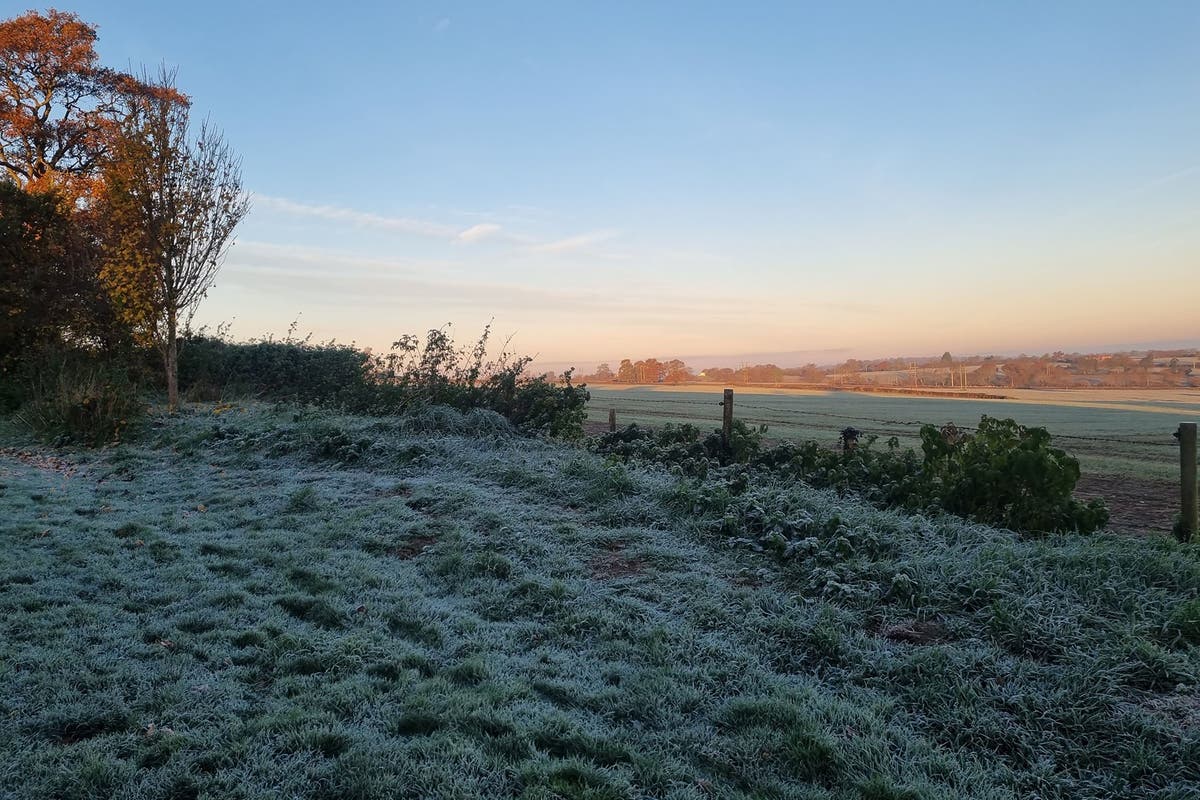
x: 709, y: 180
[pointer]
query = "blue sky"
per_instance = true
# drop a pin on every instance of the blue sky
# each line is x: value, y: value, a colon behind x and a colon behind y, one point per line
x: 608, y: 179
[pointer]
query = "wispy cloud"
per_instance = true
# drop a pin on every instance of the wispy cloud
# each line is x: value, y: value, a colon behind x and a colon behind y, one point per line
x: 572, y: 244
x: 441, y: 25
x: 472, y: 234
x: 364, y: 219
x: 322, y: 260
x: 477, y: 233
x: 339, y: 278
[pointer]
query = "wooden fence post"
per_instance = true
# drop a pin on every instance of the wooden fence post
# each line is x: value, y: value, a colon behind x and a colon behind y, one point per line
x: 1187, y: 480
x: 727, y: 418
x: 612, y: 419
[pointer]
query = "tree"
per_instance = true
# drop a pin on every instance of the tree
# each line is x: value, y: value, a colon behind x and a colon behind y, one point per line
x: 625, y: 372
x: 649, y: 371
x: 59, y: 109
x: 172, y: 203
x: 678, y: 372
x: 603, y: 372
x: 984, y: 375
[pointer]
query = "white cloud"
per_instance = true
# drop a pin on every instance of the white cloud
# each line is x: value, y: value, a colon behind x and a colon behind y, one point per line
x: 477, y: 233
x: 364, y: 219
x: 438, y: 230
x: 572, y: 244
x: 1163, y: 180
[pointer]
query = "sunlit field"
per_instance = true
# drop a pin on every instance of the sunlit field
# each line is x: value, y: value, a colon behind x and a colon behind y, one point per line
x: 1122, y: 432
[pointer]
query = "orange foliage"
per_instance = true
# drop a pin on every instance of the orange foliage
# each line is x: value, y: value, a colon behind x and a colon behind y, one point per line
x: 59, y: 108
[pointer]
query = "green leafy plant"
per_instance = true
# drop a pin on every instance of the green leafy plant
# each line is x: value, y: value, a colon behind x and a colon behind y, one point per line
x: 1010, y: 475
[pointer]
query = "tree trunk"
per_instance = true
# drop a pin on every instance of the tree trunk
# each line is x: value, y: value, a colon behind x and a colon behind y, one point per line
x: 172, y: 365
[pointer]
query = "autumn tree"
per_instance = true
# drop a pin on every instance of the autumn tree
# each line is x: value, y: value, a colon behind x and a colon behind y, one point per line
x: 651, y: 370
x: 172, y: 204
x: 678, y: 372
x: 59, y: 108
x: 59, y: 112
x: 719, y: 375
x: 984, y: 375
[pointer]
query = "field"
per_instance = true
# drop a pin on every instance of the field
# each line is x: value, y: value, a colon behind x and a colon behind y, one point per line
x: 258, y: 603
x: 1122, y: 438
x: 1111, y: 432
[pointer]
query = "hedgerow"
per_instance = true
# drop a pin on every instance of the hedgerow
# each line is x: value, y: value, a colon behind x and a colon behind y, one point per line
x: 80, y: 396
x: 414, y: 374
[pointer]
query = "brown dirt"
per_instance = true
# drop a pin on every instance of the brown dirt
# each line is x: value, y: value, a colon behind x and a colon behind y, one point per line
x: 594, y: 428
x: 614, y: 564
x: 1138, y: 505
x: 413, y: 547
x: 1182, y: 709
x: 42, y: 461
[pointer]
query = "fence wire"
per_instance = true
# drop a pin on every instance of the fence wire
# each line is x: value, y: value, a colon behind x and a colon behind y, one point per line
x: 1166, y: 441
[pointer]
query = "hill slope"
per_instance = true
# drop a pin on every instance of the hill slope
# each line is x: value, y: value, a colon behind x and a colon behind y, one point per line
x: 273, y: 604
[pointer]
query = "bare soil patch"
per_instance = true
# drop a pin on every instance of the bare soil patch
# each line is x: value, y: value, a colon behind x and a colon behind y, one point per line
x: 1141, y: 505
x: 613, y: 563
x: 413, y: 547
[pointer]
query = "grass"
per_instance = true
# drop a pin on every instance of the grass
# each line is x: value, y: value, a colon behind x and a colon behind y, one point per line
x: 1111, y: 432
x: 231, y: 608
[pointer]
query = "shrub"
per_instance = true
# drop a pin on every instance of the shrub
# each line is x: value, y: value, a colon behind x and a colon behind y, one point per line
x: 681, y: 447
x: 76, y: 399
x: 1005, y: 474
x: 1008, y: 474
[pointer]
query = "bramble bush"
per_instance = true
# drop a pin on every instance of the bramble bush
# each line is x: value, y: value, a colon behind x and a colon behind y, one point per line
x: 1008, y: 474
x: 1004, y: 474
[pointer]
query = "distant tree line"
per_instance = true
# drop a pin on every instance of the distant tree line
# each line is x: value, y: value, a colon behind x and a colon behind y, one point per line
x: 674, y: 371
x: 1154, y: 369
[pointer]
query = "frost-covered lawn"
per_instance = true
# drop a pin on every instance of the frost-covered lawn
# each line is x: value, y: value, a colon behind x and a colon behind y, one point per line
x: 271, y: 604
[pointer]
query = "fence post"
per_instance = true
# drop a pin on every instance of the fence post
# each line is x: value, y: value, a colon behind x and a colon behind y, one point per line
x: 1187, y: 480
x: 612, y: 419
x: 727, y: 418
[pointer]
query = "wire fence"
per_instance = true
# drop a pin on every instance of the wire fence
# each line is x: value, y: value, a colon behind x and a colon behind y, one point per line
x: 796, y: 414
